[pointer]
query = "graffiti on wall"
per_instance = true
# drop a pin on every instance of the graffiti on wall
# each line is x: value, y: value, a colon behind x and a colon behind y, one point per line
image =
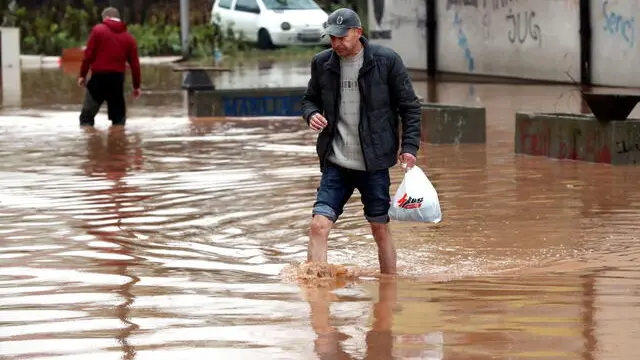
x: 472, y: 3
x: 539, y: 138
x: 628, y: 143
x: 486, y: 4
x: 619, y: 24
x: 463, y: 43
x: 378, y: 13
x: 279, y: 105
x: 402, y: 26
x: 521, y: 25
x: 395, y: 21
x: 624, y: 147
x: 387, y: 20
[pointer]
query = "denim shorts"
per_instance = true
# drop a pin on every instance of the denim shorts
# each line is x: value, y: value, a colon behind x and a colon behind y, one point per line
x: 337, y: 185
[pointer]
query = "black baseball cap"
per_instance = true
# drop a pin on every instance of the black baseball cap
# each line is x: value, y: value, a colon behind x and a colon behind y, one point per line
x: 340, y: 21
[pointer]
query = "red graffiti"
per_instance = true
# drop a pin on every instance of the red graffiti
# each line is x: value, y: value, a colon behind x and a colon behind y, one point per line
x: 567, y: 152
x: 540, y: 138
x: 535, y: 138
x: 595, y: 148
x: 564, y: 151
x: 604, y: 155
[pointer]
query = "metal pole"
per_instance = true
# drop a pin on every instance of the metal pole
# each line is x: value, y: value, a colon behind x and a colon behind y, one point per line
x: 184, y: 27
x: 585, y: 42
x: 432, y: 37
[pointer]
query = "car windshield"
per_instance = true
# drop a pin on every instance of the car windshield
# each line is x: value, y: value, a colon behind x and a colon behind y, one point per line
x: 290, y: 4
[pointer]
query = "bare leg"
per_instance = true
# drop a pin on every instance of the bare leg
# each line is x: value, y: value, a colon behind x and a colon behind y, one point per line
x: 318, y: 237
x: 386, y: 248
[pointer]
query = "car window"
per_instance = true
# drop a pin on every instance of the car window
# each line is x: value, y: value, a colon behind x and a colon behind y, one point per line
x: 248, y: 6
x: 290, y: 4
x: 225, y: 4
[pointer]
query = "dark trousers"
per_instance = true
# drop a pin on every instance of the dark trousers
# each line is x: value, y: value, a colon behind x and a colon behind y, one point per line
x: 101, y: 87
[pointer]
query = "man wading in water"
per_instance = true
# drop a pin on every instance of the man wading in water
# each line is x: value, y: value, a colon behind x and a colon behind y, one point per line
x: 355, y: 95
x: 109, y: 48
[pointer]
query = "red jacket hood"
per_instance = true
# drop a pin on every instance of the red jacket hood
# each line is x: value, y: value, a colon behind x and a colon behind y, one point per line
x: 115, y: 25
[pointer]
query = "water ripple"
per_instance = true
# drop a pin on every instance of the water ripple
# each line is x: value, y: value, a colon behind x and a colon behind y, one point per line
x: 167, y: 239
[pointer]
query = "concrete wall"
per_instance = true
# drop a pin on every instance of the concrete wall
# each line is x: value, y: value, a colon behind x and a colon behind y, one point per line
x: 527, y: 38
x: 10, y: 63
x: 530, y: 39
x: 615, y: 57
x: 578, y: 137
x: 402, y: 26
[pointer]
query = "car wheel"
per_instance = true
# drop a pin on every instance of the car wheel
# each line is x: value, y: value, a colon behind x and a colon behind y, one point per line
x: 264, y: 39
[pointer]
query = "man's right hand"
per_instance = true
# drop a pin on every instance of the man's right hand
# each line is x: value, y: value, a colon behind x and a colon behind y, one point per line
x: 317, y: 122
x: 136, y: 93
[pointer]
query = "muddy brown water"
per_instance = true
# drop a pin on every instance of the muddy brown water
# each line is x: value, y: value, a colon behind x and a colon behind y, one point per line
x: 168, y: 239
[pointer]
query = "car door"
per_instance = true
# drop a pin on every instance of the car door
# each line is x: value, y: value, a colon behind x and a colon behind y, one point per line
x: 247, y: 14
x: 222, y: 14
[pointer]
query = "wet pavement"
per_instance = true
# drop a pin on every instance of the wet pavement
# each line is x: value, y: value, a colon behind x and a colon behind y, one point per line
x: 167, y: 239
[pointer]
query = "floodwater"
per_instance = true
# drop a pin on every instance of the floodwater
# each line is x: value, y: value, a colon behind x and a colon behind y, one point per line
x: 168, y: 239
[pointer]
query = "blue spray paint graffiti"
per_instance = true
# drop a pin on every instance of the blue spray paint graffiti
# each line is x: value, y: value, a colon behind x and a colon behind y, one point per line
x: 462, y: 42
x: 619, y: 25
x: 284, y: 105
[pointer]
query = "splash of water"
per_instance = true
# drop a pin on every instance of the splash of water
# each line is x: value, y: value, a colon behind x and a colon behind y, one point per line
x: 324, y: 275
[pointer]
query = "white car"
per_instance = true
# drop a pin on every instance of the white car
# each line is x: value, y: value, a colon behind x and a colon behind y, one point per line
x: 272, y: 23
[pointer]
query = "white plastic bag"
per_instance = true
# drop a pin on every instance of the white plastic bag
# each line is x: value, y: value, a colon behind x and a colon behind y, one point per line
x: 416, y: 199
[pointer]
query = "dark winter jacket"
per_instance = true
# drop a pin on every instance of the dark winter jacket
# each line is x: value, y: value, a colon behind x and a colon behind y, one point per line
x: 388, y: 99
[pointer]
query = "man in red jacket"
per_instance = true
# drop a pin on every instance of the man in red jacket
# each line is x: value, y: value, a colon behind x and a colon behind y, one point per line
x: 109, y: 48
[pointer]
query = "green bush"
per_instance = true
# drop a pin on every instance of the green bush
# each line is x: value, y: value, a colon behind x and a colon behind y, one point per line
x: 155, y: 37
x: 58, y: 24
x: 49, y: 30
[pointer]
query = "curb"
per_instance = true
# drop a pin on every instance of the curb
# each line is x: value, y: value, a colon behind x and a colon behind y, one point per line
x: 38, y: 61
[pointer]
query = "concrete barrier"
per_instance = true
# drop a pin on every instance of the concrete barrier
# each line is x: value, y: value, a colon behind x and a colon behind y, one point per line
x: 11, y: 72
x: 453, y: 124
x: 578, y: 137
x: 246, y: 102
x: 75, y: 54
